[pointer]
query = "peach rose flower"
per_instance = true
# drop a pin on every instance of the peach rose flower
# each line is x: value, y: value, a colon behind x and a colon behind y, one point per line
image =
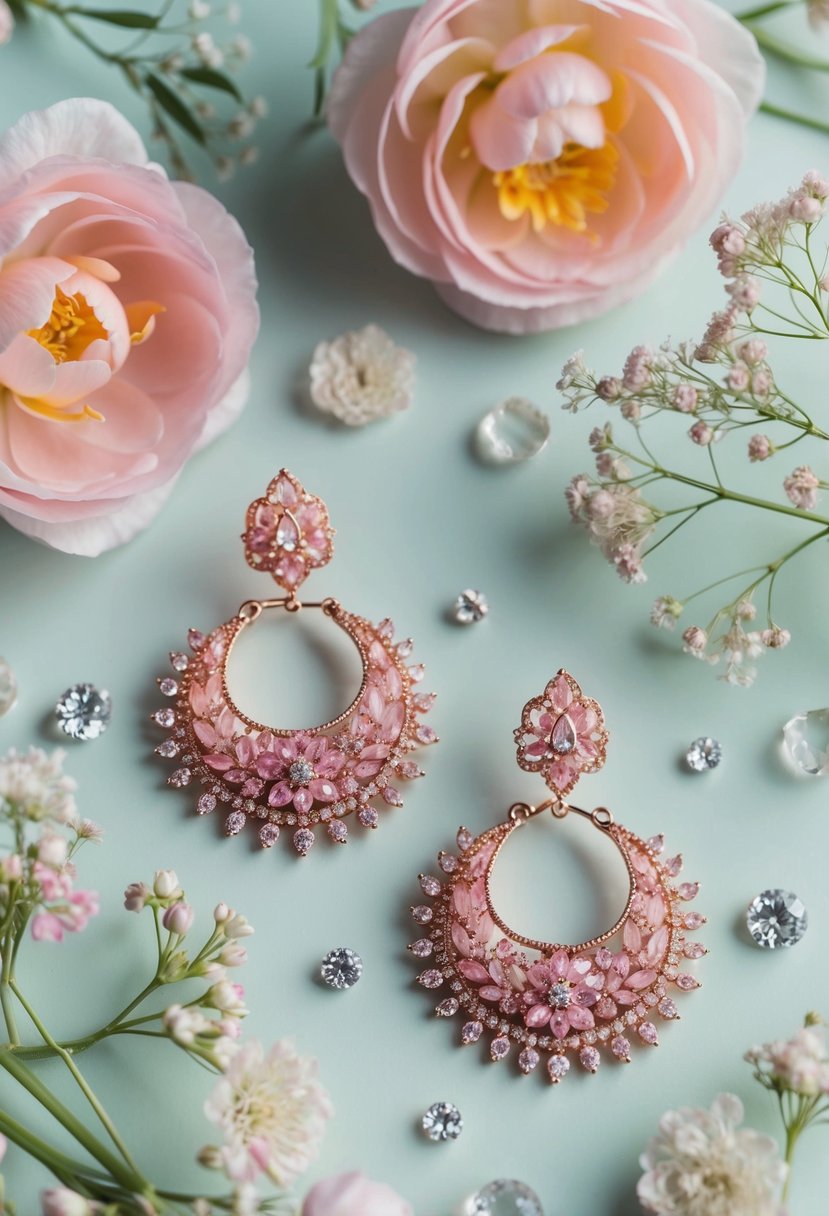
x: 353, y: 1195
x: 127, y: 315
x: 542, y: 160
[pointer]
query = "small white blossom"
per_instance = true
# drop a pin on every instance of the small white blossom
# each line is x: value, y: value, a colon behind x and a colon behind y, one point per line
x: 801, y: 487
x: 665, y: 612
x: 34, y: 785
x: 362, y: 376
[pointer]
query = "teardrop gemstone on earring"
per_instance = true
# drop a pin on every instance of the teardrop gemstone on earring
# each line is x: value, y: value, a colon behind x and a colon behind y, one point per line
x: 287, y: 532
x: 563, y: 736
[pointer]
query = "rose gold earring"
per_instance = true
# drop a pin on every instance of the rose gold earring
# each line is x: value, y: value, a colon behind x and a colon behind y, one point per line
x: 544, y: 998
x: 298, y: 778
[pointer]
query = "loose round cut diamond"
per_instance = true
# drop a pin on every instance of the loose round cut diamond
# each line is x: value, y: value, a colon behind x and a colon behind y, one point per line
x: 704, y: 753
x: 806, y: 742
x: 776, y: 918
x: 83, y: 711
x: 8, y: 688
x: 442, y: 1121
x: 504, y: 1197
x: 341, y: 968
x: 470, y: 607
x: 513, y: 431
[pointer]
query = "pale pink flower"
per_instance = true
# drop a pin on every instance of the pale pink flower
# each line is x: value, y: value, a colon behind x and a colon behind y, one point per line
x: 718, y: 336
x: 35, y: 784
x: 4, y: 1144
x: 129, y: 317
x: 509, y: 157
x: 753, y: 351
x: 362, y: 376
x: 178, y: 918
x: 577, y: 495
x: 801, y: 487
x: 52, y: 849
x: 685, y: 398
x: 744, y: 292
x: 637, y: 370
x: 738, y: 378
x: 628, y: 562
x: 608, y: 388
x: 760, y: 447
x: 136, y: 896
x: 228, y: 998
x: 701, y: 433
x: 272, y: 1111
x: 729, y: 243
x: 665, y: 612
x: 798, y: 1065
x: 166, y: 884
x: 353, y: 1195
x: 694, y: 641
x: 775, y: 638
x: 47, y: 927
x: 562, y: 991
x: 11, y: 867
x: 631, y: 410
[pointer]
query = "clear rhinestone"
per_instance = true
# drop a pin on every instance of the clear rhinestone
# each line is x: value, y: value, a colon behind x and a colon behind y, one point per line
x: 776, y: 918
x: 196, y: 639
x: 338, y: 832
x: 442, y: 1121
x: 368, y: 817
x: 590, y: 1058
x: 528, y: 1060
x: 301, y: 772
x: 341, y: 968
x: 164, y: 717
x: 558, y: 1067
x: 513, y: 431
x: 179, y: 661
x: 8, y: 688
x: 470, y: 607
x: 303, y: 841
x: 206, y: 804
x: 559, y: 995
x: 234, y: 823
x: 431, y: 978
x: 84, y: 712
x: 168, y: 687
x: 430, y: 885
x: 704, y: 753
x: 504, y: 1197
x: 448, y: 1007
x: 471, y: 1032
x: 168, y: 749
x: 180, y: 778
x: 806, y: 742
x: 268, y: 835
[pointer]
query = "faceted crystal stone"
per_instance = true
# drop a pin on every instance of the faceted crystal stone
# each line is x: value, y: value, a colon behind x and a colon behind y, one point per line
x: 590, y: 1058
x: 422, y: 914
x: 368, y: 817
x: 417, y: 673
x: 704, y: 753
x: 563, y: 736
x: 84, y: 712
x: 471, y: 1032
x: 667, y: 1008
x: 504, y: 1197
x: 303, y: 841
x: 338, y: 831
x: 694, y: 920
x: 687, y: 982
x: 688, y: 890
x: 620, y: 1046
x: 404, y: 648
x: 806, y: 742
x: 694, y: 950
x: 430, y: 885
x: 513, y: 431
x: 442, y: 1121
x: 559, y: 996
x: 409, y: 770
x: 465, y: 839
x: 168, y: 686
x: 648, y: 1033
x: 448, y: 1008
x: 656, y: 843
x: 178, y: 661
x: 164, y: 717
x: 447, y: 862
x: 426, y: 734
x: 206, y: 804
x: 470, y: 607
x: 499, y: 1048
x: 423, y: 701
x: 301, y: 772
x: 268, y: 835
x: 168, y: 749
x: 528, y: 1060
x: 196, y: 639
x: 180, y: 778
x: 392, y: 796
x: 673, y: 865
x: 558, y: 1067
x: 341, y: 968
x: 776, y: 918
x: 431, y: 978
x: 8, y: 688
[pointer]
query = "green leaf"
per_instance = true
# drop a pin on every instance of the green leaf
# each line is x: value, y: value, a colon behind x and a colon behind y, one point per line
x: 212, y: 79
x: 172, y: 104
x: 123, y: 17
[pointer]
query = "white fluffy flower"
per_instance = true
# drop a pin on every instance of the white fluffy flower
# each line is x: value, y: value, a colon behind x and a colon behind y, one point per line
x: 272, y: 1111
x: 703, y: 1163
x: 362, y: 376
x: 34, y: 784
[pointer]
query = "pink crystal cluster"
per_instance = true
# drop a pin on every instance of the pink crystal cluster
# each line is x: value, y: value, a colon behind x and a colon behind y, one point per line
x: 298, y: 779
x: 288, y: 533
x: 562, y: 734
x: 563, y: 1003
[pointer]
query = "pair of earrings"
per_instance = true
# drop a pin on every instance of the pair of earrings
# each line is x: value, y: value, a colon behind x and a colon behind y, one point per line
x: 542, y: 997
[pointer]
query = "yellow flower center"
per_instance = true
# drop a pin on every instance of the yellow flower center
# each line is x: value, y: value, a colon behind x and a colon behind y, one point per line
x: 71, y: 328
x: 562, y: 191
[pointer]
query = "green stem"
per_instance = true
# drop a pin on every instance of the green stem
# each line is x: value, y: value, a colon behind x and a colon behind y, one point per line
x: 805, y: 120
x: 765, y: 10
x: 784, y: 50
x: 54, y: 1160
x: 5, y: 989
x: 79, y: 1078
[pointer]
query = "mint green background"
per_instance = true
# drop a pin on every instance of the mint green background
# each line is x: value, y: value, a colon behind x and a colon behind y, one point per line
x: 418, y: 519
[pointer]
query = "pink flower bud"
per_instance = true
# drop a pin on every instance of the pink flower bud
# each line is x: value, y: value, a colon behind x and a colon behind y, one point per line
x: 233, y: 956
x: 694, y: 640
x: 775, y: 638
x: 803, y: 207
x: 608, y: 388
x: 178, y: 918
x: 701, y: 433
x: 738, y: 378
x: 760, y: 447
x: 221, y: 913
x: 60, y: 1201
x: 52, y: 849
x: 237, y: 927
x: 165, y: 884
x: 11, y: 867
x: 4, y: 1144
x: 136, y: 896
x: 753, y: 351
x: 685, y: 398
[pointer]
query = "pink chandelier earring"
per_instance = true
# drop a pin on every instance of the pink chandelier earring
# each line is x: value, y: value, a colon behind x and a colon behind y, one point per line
x: 537, y: 1000
x: 308, y: 779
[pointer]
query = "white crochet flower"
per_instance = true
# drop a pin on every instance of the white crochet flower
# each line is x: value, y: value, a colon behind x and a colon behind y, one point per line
x: 362, y: 376
x: 702, y: 1163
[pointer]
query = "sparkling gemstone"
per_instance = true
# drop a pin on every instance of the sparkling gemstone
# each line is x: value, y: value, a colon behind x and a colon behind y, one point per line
x: 504, y: 1197
x: 303, y: 841
x: 465, y: 839
x: 471, y: 1032
x: 168, y: 749
x: 447, y: 862
x: 234, y: 823
x: 180, y: 778
x: 430, y: 885
x: 422, y: 914
x: 688, y: 890
x: 776, y: 918
x: 558, y: 1067
x: 499, y: 1048
x: 442, y: 1121
x: 301, y: 772
x: 704, y: 753
x: 268, y: 835
x: 8, y: 688
x: 694, y: 950
x: 563, y: 736
x: 604, y: 958
x: 448, y: 1008
x: 338, y: 831
x: 386, y: 628
x: 341, y: 968
x: 423, y: 701
x: 528, y: 1060
x: 431, y: 978
x: 694, y: 920
x: 686, y: 982
x: 470, y: 607
x: 416, y: 673
x: 206, y: 804
x: 179, y: 661
x: 368, y: 817
x: 404, y: 648
x: 84, y: 712
x: 409, y: 770
x: 648, y: 1033
x: 590, y: 1058
x: 513, y: 431
x: 620, y: 1046
x: 673, y: 865
x: 559, y: 995
x: 164, y: 717
x: 392, y: 796
x: 426, y: 734
x: 196, y: 639
x: 667, y: 1008
x: 168, y: 686
x: 656, y: 843
x: 806, y: 742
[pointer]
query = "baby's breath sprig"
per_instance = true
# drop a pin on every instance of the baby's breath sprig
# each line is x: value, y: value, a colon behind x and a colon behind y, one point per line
x: 172, y: 59
x: 777, y: 287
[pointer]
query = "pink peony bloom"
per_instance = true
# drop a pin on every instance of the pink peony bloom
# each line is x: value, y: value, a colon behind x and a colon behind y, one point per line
x: 541, y: 163
x: 127, y: 315
x: 353, y: 1195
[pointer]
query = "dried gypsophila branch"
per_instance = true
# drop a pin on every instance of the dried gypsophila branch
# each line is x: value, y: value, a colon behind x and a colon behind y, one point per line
x: 174, y: 63
x: 724, y: 385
